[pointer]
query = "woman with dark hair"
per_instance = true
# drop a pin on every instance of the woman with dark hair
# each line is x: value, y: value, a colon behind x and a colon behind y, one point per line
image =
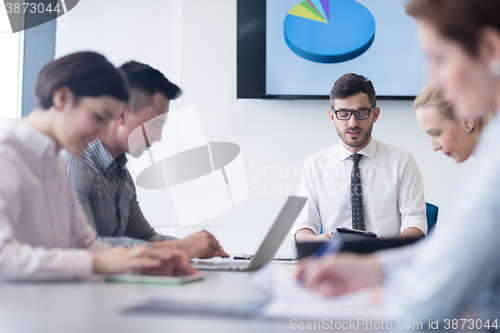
x: 458, y: 267
x: 43, y: 232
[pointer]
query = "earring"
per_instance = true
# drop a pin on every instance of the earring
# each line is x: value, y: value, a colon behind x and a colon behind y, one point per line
x: 495, y: 68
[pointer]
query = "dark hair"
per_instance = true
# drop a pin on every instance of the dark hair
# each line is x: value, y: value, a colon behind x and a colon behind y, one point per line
x: 458, y: 20
x: 352, y: 84
x: 85, y: 73
x: 144, y: 82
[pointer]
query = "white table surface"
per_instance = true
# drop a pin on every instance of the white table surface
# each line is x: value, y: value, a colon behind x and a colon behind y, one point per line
x: 95, y: 306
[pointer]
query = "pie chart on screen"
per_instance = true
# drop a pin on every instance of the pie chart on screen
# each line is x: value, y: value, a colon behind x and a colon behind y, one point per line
x: 329, y: 31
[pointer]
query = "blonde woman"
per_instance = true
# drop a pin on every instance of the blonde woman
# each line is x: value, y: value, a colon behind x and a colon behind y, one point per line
x: 455, y: 137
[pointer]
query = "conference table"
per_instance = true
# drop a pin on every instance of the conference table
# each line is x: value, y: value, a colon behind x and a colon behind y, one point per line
x: 94, y: 306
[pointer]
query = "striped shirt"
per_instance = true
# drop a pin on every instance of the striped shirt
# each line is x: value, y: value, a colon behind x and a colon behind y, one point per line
x: 106, y: 191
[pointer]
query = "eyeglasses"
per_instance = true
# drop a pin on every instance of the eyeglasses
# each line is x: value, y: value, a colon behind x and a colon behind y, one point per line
x: 359, y: 114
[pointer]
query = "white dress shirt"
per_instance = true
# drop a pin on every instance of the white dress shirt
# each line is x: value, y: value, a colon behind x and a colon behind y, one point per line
x: 440, y: 276
x: 393, y: 191
x: 43, y: 233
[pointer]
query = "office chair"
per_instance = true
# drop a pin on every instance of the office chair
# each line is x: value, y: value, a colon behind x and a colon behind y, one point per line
x: 432, y: 215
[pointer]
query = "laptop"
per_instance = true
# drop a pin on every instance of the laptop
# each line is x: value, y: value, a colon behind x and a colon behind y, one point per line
x: 269, y: 246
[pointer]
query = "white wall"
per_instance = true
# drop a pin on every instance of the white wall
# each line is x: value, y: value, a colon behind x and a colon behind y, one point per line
x: 10, y: 67
x: 194, y: 43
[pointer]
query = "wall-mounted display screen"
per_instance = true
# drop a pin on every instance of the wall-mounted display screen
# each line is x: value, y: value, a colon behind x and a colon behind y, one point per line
x: 298, y: 49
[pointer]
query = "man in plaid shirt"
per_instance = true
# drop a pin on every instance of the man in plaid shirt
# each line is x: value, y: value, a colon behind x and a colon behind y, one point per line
x: 103, y: 184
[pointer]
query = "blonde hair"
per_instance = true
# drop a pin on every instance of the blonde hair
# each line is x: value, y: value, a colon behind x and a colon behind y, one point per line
x: 430, y: 97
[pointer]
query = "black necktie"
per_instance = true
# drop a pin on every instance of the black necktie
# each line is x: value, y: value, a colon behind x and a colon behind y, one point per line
x: 358, y: 221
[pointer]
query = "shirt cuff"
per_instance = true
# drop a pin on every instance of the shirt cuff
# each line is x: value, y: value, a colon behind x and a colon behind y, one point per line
x: 305, y: 225
x: 84, y: 265
x: 64, y: 264
x: 99, y: 247
x: 161, y: 238
x: 125, y: 241
x: 420, y: 225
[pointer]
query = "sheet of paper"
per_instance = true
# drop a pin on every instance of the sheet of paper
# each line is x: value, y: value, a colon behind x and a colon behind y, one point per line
x: 291, y: 300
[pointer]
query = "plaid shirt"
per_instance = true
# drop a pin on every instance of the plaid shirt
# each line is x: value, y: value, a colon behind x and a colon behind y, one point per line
x: 106, y: 191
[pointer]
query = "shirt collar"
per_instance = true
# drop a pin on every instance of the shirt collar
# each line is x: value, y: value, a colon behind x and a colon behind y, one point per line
x: 101, y: 156
x: 370, y: 150
x: 36, y: 141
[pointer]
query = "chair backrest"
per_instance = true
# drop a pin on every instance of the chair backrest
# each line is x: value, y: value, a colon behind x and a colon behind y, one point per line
x: 432, y: 215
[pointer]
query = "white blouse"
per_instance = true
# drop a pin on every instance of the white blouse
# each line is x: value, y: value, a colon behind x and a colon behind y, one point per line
x: 439, y: 277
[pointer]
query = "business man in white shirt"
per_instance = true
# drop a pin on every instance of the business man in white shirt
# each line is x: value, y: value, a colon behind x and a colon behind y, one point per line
x: 360, y: 183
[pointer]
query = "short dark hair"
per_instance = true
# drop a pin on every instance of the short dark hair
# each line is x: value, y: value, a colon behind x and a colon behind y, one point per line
x: 144, y: 82
x: 352, y: 84
x: 460, y: 21
x: 85, y: 73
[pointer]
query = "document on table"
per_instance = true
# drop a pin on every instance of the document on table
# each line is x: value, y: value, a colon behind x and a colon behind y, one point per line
x: 291, y: 300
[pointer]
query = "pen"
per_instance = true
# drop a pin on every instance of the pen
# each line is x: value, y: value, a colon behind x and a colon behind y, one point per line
x: 333, y: 245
